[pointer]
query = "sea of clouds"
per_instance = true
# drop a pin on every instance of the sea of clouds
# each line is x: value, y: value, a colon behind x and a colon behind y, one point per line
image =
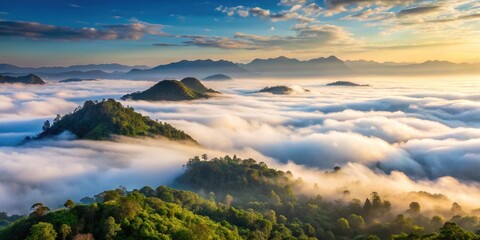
x: 396, y: 137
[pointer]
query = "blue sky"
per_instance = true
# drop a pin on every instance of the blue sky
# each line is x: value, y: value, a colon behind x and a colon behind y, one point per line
x: 35, y: 33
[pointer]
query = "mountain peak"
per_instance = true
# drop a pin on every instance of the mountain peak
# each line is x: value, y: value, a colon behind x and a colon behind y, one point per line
x: 436, y: 62
x: 330, y: 59
x: 277, y: 60
x: 196, y: 85
x: 280, y: 58
x: 172, y: 90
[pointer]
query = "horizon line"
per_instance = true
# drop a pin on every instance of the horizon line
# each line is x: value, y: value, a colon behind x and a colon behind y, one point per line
x: 242, y: 62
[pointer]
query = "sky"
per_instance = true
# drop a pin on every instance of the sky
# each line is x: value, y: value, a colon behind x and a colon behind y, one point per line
x: 152, y: 32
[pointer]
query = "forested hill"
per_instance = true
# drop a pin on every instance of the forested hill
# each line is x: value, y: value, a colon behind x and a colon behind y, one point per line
x: 246, y: 179
x: 172, y: 90
x: 28, y: 79
x: 101, y: 120
x: 270, y: 213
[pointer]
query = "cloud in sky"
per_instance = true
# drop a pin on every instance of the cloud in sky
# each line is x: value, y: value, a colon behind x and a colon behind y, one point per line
x: 357, y: 5
x: 389, y: 22
x: 74, y: 5
x: 422, y: 141
x: 292, y: 2
x: 291, y: 14
x: 371, y: 14
x: 167, y: 45
x: 306, y: 36
x: 472, y: 16
x: 34, y: 30
x: 420, y: 24
x: 419, y: 10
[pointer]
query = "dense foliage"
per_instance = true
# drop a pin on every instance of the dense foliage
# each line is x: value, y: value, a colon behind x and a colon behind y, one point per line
x: 120, y: 216
x: 236, y: 199
x: 247, y: 184
x: 166, y: 90
x: 101, y: 120
x: 248, y: 180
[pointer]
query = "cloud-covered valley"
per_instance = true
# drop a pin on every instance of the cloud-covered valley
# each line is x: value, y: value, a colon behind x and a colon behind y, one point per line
x: 398, y: 136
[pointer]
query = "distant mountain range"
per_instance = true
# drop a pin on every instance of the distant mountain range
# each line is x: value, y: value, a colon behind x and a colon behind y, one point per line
x: 188, y: 68
x: 362, y: 67
x: 325, y: 66
x: 109, y: 68
x: 275, y: 67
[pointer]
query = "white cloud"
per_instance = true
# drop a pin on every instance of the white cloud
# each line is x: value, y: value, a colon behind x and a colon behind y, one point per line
x: 292, y: 2
x: 417, y: 137
x: 306, y: 36
x: 290, y: 14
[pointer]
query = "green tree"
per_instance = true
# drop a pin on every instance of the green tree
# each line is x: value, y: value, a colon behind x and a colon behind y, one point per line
x: 183, y: 234
x: 271, y: 216
x: 202, y: 231
x: 309, y: 230
x: 356, y: 221
x: 342, y: 226
x: 42, y: 231
x: 65, y: 230
x: 39, y: 210
x: 275, y: 198
x: 110, y: 228
x: 69, y: 204
x: 451, y: 231
x: 128, y: 208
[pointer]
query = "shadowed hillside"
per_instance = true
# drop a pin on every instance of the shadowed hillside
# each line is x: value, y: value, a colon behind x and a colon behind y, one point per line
x: 28, y: 79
